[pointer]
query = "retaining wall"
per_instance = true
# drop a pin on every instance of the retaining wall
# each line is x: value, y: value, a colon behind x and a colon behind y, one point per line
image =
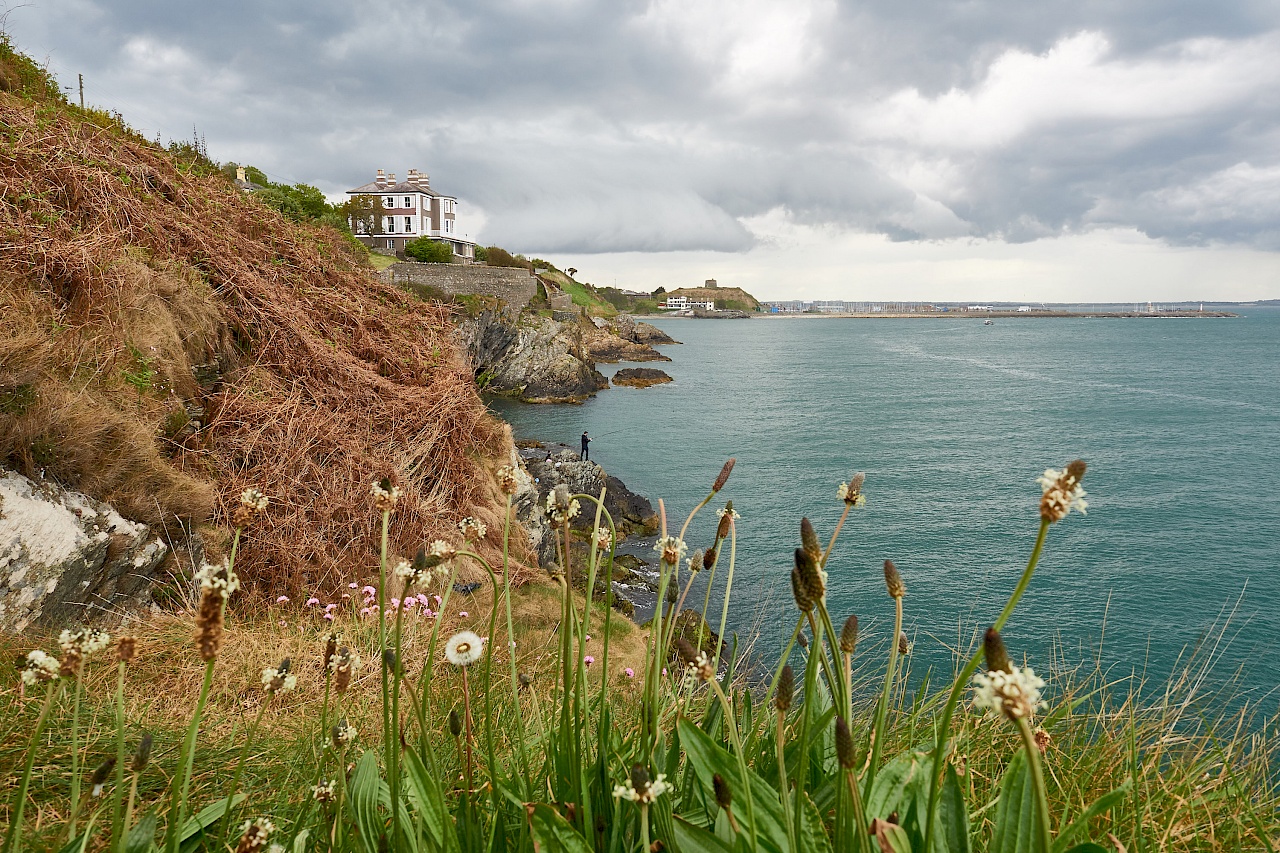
x: 513, y: 285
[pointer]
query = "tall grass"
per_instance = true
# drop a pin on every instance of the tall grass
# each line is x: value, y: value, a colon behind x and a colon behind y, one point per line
x: 556, y: 731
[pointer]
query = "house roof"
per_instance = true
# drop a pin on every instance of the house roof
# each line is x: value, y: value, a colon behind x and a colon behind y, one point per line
x: 402, y: 187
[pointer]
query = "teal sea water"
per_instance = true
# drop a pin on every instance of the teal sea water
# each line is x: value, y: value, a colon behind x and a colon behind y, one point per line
x: 952, y: 421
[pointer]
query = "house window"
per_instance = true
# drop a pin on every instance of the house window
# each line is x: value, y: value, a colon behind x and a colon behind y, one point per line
x: 391, y: 225
x: 408, y: 201
x: 391, y: 244
x: 408, y: 224
x: 388, y: 202
x: 448, y: 225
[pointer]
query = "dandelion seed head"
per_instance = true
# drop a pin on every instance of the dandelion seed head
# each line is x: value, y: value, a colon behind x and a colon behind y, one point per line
x: 464, y: 648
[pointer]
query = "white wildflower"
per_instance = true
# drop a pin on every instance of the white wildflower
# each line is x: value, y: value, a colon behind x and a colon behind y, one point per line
x: 218, y: 579
x: 604, y: 538
x: 85, y: 641
x: 1062, y: 493
x: 472, y: 529
x: 324, y: 792
x: 278, y: 679
x: 728, y: 512
x: 464, y: 648
x: 39, y: 667
x: 384, y: 494
x: 651, y: 792
x: 672, y: 549
x: 253, y: 499
x: 443, y: 550
x: 1015, y: 694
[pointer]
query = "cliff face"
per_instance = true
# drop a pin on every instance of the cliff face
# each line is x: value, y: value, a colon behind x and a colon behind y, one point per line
x: 533, y: 358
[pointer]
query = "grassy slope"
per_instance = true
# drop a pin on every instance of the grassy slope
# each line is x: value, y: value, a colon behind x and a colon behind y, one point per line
x: 583, y: 295
x: 126, y: 266
x: 719, y: 294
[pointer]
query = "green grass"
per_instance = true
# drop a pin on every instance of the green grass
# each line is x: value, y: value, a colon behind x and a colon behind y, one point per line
x: 538, y: 766
x: 380, y: 261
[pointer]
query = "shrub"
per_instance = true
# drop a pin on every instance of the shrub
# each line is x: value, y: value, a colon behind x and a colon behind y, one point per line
x: 429, y: 251
x: 498, y: 257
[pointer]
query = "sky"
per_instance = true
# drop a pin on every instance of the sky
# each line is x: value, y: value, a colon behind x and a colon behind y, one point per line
x: 1057, y: 151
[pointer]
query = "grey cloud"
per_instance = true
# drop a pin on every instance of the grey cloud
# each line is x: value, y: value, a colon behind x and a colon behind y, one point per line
x: 580, y: 127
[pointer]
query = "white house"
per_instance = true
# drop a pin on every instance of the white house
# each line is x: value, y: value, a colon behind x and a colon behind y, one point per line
x: 680, y: 303
x: 410, y: 209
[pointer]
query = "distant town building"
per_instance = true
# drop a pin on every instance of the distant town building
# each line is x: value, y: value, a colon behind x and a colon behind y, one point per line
x: 711, y: 283
x: 409, y: 209
x: 681, y: 303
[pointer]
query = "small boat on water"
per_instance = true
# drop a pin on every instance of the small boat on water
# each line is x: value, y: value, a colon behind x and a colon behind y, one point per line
x: 988, y: 322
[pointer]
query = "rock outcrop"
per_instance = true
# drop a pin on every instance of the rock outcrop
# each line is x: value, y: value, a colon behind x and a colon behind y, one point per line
x: 535, y: 359
x: 553, y: 464
x: 626, y: 339
x: 640, y: 377
x: 66, y: 558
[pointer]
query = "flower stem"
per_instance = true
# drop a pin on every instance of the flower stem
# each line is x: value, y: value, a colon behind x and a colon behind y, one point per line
x: 882, y: 712
x: 227, y: 821
x: 19, y: 801
x: 784, y: 788
x: 75, y: 753
x: 731, y: 723
x: 1037, y: 781
x: 944, y: 724
x: 117, y: 793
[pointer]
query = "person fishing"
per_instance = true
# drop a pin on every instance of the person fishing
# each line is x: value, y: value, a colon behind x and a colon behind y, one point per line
x: 585, y: 442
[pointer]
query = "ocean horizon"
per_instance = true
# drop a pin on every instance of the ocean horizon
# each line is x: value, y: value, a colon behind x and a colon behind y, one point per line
x: 953, y: 421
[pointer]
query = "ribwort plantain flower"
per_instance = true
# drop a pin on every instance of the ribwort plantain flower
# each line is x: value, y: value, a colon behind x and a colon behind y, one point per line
x: 472, y: 529
x: 455, y: 723
x: 344, y: 663
x: 722, y: 791
x: 385, y: 494
x: 464, y: 648
x: 1014, y: 694
x: 508, y: 481
x: 343, y: 735
x: 126, y: 648
x: 278, y: 679
x: 252, y: 502
x: 809, y: 540
x: 697, y: 663
x: 604, y: 538
x: 845, y: 751
x: 994, y: 652
x: 78, y: 645
x: 672, y: 549
x: 422, y: 569
x: 849, y: 635
x: 811, y: 577
x: 39, y: 667
x: 324, y: 792
x: 142, y: 754
x: 255, y: 835
x: 330, y: 650
x: 641, y: 789
x: 785, y: 691
x: 799, y: 590
x: 562, y: 507
x: 696, y: 561
x: 851, y: 492
x: 893, y: 581
x: 100, y: 776
x: 724, y: 475
x: 1062, y: 492
x: 904, y: 645
x: 217, y: 583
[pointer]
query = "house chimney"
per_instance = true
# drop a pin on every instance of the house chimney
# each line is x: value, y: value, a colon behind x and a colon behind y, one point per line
x: 412, y: 178
x: 381, y: 180
x: 240, y: 174
x: 391, y: 179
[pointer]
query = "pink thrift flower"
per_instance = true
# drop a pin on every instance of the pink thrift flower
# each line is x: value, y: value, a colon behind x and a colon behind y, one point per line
x: 353, y: 585
x: 282, y: 599
x: 423, y: 600
x: 438, y: 599
x: 346, y: 597
x: 664, y: 670
x: 395, y: 602
x: 588, y: 660
x: 369, y: 591
x: 365, y: 611
x: 329, y: 607
x: 283, y: 624
x: 329, y: 616
x: 588, y: 638
x: 313, y: 601
x: 464, y: 614
x: 630, y: 673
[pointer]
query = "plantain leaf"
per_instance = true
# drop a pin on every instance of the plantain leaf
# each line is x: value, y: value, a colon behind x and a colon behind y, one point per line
x: 1097, y: 807
x: 709, y: 758
x: 694, y: 839
x: 142, y: 835
x: 1016, y: 828
x: 891, y: 838
x: 363, y: 790
x: 813, y: 835
x: 192, y: 832
x: 300, y: 841
x: 429, y: 804
x: 552, y: 833
x: 953, y: 816
x: 1088, y: 847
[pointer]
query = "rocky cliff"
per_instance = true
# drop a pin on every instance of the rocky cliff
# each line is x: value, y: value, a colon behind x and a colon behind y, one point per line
x: 530, y: 357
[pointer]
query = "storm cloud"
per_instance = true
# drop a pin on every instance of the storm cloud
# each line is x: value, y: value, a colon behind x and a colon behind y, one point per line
x: 581, y: 127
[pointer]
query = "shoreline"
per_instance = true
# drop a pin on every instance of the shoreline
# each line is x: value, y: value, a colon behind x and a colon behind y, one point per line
x: 989, y: 315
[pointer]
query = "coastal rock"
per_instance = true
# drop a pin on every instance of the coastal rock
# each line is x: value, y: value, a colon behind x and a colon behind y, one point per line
x: 532, y: 358
x: 614, y: 341
x: 640, y: 377
x: 66, y: 558
x: 629, y: 328
x: 552, y: 464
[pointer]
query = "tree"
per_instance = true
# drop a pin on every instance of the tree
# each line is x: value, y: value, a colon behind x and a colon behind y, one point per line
x: 658, y: 291
x: 364, y: 213
x: 429, y: 251
x: 572, y: 272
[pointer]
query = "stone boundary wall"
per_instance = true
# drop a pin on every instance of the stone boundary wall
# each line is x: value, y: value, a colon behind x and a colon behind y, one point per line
x: 513, y: 285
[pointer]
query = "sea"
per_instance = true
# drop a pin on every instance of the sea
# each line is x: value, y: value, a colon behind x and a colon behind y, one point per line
x: 1175, y: 565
